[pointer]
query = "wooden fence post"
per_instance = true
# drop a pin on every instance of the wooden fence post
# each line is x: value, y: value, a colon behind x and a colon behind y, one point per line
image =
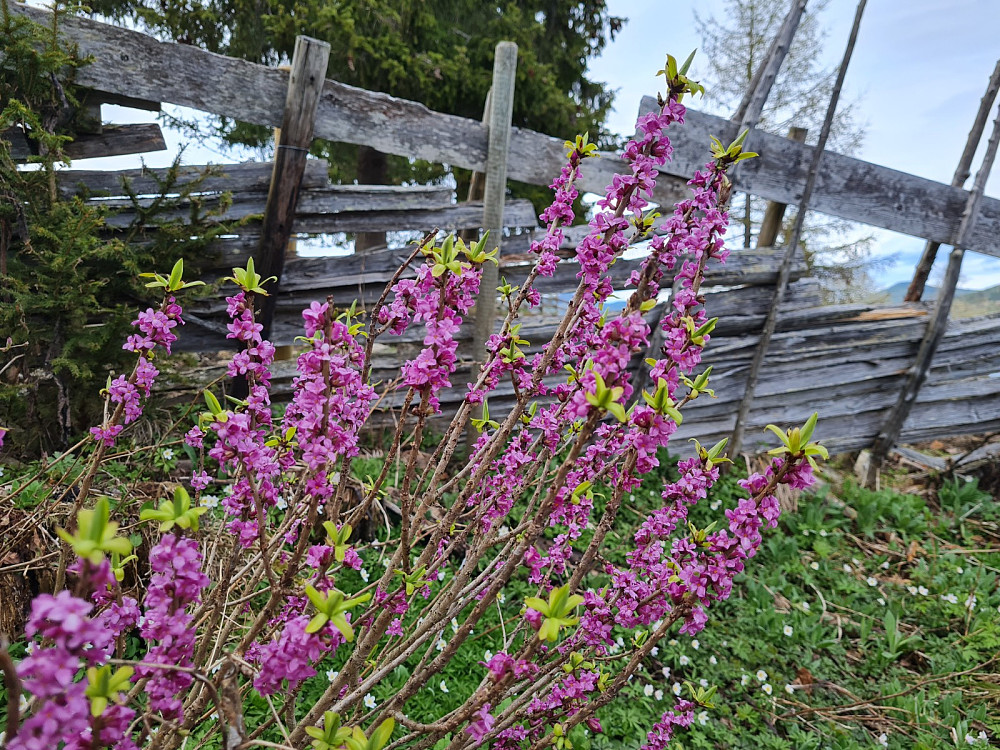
x: 935, y: 330
x: 501, y: 108
x: 775, y: 212
x: 305, y: 84
x: 916, y: 289
x: 736, y: 440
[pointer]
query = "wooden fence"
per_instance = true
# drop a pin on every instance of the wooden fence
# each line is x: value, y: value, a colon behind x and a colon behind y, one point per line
x: 847, y: 362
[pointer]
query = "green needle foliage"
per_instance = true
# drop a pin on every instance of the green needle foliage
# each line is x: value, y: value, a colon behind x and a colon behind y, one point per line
x: 68, y: 284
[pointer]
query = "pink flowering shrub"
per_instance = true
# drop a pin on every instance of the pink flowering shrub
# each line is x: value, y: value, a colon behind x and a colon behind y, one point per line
x: 253, y: 606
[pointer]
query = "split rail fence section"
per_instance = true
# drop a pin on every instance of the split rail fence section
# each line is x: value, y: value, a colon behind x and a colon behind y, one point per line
x: 846, y: 362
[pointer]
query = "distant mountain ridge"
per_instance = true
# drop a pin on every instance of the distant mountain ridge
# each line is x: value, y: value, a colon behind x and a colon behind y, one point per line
x: 968, y: 302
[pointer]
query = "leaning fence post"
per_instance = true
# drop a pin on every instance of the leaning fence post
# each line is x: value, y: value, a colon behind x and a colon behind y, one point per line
x: 305, y: 84
x: 501, y: 109
x: 916, y: 375
x: 916, y: 289
x: 736, y: 440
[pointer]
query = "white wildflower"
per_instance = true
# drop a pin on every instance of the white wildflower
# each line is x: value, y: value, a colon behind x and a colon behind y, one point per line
x: 824, y: 532
x: 369, y: 701
x: 881, y: 601
x: 790, y: 689
x: 745, y: 680
x: 883, y: 740
x: 922, y: 590
x: 787, y: 630
x: 950, y: 598
x: 488, y: 655
x: 209, y: 501
x: 684, y: 661
x: 658, y: 695
x: 168, y: 454
x: 443, y: 686
x: 695, y: 644
x: 848, y: 568
x: 703, y: 682
x: 871, y: 581
x: 676, y: 688
x: 885, y: 565
x: 703, y: 718
x: 331, y: 674
x: 766, y: 687
x: 647, y: 690
x: 814, y: 565
x: 665, y: 672
x: 712, y: 660
x: 364, y: 575
x: 761, y: 675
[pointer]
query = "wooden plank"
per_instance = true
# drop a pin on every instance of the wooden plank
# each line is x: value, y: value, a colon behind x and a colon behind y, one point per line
x: 117, y: 140
x: 313, y: 203
x: 305, y: 83
x: 112, y: 140
x: 847, y: 188
x: 20, y: 147
x: 236, y: 178
x: 120, y: 100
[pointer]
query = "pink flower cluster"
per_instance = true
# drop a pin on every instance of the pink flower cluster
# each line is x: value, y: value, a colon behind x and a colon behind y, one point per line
x: 292, y: 654
x: 71, y: 639
x: 439, y: 302
x: 155, y: 329
x: 331, y: 401
x: 177, y: 582
x: 240, y: 447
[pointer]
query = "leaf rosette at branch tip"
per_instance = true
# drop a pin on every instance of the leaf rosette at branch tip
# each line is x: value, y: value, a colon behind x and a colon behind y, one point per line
x: 795, y: 442
x: 175, y: 512
x: 249, y: 280
x: 331, y: 607
x: 95, y: 534
x: 557, y: 612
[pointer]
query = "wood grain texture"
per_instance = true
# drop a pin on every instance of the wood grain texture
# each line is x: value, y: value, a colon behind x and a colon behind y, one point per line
x: 846, y: 187
x: 112, y: 140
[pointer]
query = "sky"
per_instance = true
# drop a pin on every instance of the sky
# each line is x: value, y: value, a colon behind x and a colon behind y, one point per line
x: 918, y: 72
